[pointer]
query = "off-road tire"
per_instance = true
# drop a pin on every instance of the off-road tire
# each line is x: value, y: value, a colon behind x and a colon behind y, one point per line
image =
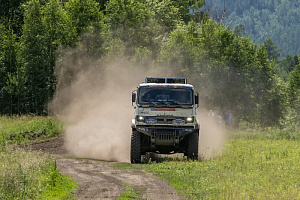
x: 192, y: 146
x: 135, y: 151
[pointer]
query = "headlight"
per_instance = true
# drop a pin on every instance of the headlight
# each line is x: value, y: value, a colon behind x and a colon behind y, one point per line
x: 140, y: 118
x: 189, y: 119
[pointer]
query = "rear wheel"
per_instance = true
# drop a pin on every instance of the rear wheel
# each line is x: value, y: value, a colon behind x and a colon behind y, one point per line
x: 192, y: 146
x: 135, y: 151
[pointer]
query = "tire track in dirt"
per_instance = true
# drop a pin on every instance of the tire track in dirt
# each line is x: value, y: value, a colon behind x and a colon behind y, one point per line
x: 101, y: 180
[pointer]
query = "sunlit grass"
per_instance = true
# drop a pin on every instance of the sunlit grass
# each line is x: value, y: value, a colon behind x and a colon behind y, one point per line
x: 21, y: 129
x: 259, y: 168
x: 130, y: 194
x: 26, y: 174
x: 31, y: 175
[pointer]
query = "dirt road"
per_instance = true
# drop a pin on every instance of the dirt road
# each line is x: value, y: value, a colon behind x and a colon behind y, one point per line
x: 100, y: 180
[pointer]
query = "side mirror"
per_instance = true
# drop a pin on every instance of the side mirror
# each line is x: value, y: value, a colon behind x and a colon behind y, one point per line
x: 197, y: 99
x: 133, y: 97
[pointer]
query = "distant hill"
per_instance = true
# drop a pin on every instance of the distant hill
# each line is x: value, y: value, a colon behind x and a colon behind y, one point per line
x: 263, y: 19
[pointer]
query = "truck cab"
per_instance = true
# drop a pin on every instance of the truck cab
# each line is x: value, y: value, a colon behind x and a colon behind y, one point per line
x: 165, y: 118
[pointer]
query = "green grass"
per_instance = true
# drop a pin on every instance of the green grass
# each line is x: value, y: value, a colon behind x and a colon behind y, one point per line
x: 256, y: 167
x: 268, y: 134
x: 131, y: 194
x: 20, y: 130
x: 31, y: 175
x: 26, y: 174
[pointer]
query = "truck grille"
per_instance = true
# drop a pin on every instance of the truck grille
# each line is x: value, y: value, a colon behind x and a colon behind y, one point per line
x: 164, y: 137
x: 165, y: 121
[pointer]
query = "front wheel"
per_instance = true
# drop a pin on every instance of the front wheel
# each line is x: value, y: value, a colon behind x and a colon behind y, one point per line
x: 192, y: 146
x: 135, y: 151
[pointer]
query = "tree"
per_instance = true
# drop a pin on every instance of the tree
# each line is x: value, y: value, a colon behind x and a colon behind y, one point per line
x: 46, y: 28
x: 139, y: 24
x: 187, y: 8
x: 294, y: 84
x: 83, y: 13
x: 291, y: 119
x: 277, y: 20
x: 3, y: 70
x: 272, y: 98
x: 272, y: 50
x: 35, y: 59
x: 12, y: 14
x: 59, y: 33
x: 9, y: 71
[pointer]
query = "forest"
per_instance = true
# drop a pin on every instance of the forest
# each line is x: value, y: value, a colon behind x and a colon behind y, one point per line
x: 262, y: 19
x: 230, y: 71
x: 275, y: 23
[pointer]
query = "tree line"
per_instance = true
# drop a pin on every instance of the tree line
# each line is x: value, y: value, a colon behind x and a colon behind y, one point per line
x: 230, y: 71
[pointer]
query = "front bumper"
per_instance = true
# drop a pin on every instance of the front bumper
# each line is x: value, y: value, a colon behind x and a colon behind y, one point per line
x: 165, y: 130
x: 165, y: 135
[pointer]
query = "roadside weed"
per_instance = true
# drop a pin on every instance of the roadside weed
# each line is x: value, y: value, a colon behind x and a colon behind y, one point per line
x: 31, y: 175
x: 27, y: 174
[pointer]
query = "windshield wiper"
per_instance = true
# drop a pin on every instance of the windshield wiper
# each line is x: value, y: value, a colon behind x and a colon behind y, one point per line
x: 159, y: 104
x: 186, y: 106
x: 150, y: 103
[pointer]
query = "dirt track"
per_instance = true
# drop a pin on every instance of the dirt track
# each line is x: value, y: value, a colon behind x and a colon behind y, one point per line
x: 100, y: 180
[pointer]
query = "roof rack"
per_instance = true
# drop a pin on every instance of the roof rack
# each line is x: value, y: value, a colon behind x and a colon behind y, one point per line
x: 166, y: 80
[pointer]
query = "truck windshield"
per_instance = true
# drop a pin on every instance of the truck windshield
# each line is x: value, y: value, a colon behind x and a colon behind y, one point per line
x: 165, y: 96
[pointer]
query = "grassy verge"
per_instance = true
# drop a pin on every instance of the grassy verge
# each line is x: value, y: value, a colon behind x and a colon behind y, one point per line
x: 25, y: 174
x: 20, y: 130
x: 252, y: 166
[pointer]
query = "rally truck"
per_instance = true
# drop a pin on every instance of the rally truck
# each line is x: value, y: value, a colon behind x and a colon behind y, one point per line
x: 165, y: 118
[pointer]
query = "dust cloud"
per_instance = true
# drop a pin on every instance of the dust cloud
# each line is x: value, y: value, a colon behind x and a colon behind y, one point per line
x: 212, y: 134
x: 97, y: 110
